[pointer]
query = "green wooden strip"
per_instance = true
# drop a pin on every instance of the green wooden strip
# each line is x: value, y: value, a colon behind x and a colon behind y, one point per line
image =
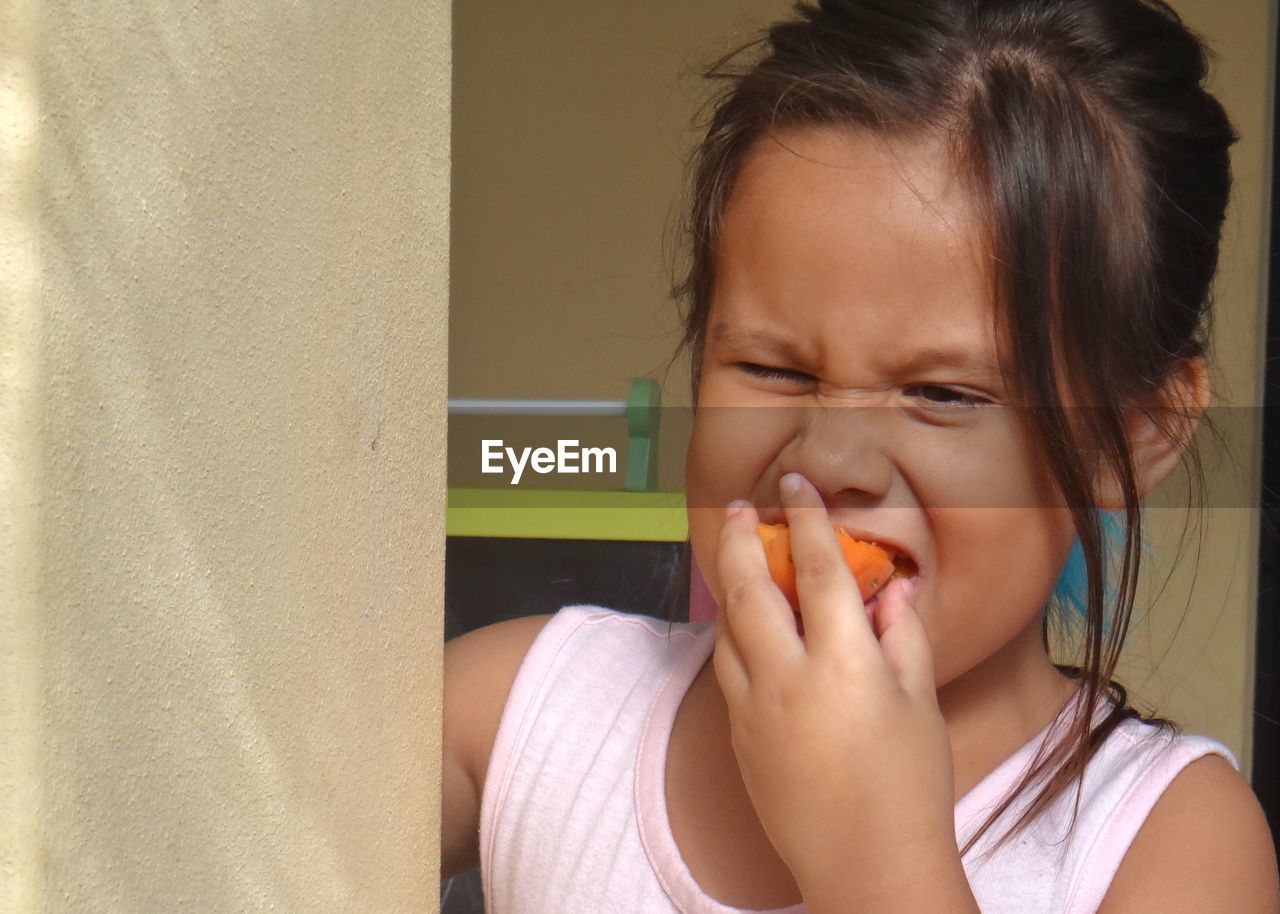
x: 644, y: 412
x: 566, y: 514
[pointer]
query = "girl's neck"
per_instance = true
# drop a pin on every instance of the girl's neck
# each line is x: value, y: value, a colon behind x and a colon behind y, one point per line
x: 999, y: 705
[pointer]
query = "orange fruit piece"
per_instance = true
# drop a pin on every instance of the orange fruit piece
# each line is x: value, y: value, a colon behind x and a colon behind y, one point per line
x: 871, y: 565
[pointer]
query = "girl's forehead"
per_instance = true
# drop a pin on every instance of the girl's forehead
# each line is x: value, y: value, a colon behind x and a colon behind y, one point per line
x: 915, y: 172
x: 844, y: 205
x: 841, y: 240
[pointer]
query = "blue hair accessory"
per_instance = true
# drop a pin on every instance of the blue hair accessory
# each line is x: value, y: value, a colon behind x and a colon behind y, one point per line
x: 1070, y: 597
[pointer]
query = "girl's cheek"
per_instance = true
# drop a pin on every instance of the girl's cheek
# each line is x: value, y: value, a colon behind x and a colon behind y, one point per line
x: 704, y: 534
x: 701, y: 498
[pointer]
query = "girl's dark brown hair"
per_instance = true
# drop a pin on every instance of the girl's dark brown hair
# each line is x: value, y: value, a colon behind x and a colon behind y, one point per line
x: 1101, y: 166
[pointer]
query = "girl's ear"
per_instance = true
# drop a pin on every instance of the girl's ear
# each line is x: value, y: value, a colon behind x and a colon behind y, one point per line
x: 1159, y: 433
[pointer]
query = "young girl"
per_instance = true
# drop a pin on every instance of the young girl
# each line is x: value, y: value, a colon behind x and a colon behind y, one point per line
x: 948, y: 292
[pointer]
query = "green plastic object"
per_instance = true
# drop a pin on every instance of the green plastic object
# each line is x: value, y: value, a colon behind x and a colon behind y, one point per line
x: 570, y: 515
x: 644, y: 402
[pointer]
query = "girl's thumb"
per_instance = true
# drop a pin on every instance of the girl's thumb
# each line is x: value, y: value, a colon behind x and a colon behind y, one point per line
x: 903, y: 640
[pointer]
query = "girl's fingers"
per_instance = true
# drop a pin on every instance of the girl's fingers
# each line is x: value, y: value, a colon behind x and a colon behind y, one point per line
x: 727, y: 662
x: 756, y: 613
x: 832, y: 608
x: 904, y: 642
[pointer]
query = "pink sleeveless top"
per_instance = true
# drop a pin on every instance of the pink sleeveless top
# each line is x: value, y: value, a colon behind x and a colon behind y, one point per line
x: 573, y: 818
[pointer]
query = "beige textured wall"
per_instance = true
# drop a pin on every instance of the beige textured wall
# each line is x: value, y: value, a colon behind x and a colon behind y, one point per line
x: 571, y: 119
x: 20, y: 852
x: 222, y: 443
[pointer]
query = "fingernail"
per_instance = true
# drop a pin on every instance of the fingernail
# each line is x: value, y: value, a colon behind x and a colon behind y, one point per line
x: 791, y: 485
x: 908, y: 587
x: 735, y: 506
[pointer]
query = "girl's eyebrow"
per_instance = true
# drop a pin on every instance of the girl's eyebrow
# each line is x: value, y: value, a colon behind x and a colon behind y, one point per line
x: 747, y: 338
x: 951, y: 360
x: 930, y: 358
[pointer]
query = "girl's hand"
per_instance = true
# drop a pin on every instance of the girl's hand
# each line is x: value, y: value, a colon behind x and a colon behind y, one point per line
x: 839, y: 737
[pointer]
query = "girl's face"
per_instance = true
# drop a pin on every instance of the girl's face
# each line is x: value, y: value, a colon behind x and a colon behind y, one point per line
x: 852, y: 331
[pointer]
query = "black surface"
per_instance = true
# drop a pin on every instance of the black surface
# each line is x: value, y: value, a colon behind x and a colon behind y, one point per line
x: 490, y: 579
x: 462, y: 894
x: 1266, y: 697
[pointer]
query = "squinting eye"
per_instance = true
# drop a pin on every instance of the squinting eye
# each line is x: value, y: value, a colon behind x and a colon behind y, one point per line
x: 781, y: 374
x: 937, y: 395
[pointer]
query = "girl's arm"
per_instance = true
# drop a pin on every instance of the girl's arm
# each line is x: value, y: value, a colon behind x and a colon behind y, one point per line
x: 1204, y: 846
x: 479, y: 669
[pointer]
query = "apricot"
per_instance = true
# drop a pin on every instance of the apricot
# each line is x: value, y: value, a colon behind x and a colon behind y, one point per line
x: 870, y: 563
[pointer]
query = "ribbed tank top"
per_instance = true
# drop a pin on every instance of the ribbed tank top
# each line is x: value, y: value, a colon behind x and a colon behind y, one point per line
x: 573, y: 816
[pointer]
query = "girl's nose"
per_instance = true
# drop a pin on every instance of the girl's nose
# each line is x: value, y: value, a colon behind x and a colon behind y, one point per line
x: 843, y: 451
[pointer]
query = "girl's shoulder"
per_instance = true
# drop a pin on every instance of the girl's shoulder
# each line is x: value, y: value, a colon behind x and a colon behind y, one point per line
x: 531, y: 695
x: 590, y: 648
x: 479, y: 669
x: 485, y: 668
x: 1190, y: 832
x: 1203, y: 846
x: 1134, y: 833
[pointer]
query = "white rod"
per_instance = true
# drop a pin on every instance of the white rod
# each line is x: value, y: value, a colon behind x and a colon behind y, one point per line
x: 479, y: 407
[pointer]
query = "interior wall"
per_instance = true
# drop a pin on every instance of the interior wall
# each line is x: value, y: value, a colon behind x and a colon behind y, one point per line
x: 571, y: 121
x: 223, y: 453
x: 1191, y: 653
